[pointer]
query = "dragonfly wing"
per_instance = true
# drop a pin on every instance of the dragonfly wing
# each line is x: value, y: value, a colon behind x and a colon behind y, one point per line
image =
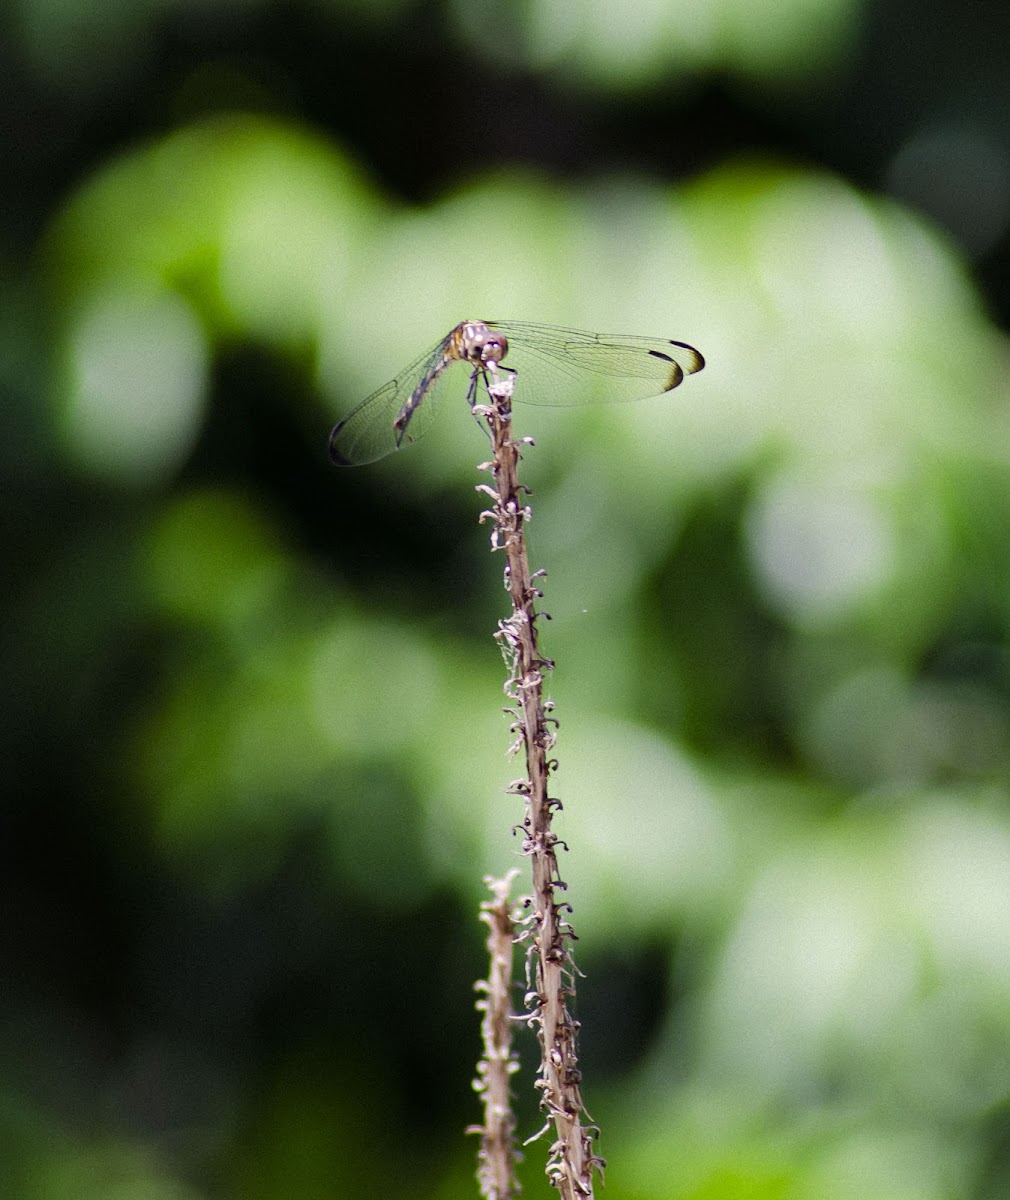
x: 369, y: 431
x: 558, y: 366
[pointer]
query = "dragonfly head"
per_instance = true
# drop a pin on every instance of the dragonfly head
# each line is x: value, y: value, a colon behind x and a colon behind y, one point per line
x: 481, y: 343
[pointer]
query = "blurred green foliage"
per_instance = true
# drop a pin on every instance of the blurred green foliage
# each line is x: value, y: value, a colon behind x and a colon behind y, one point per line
x: 255, y: 738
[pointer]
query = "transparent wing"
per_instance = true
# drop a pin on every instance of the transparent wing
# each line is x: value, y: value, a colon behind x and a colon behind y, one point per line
x: 558, y: 366
x: 368, y: 432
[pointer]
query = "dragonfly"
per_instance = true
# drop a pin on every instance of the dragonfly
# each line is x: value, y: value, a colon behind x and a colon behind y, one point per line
x: 552, y: 366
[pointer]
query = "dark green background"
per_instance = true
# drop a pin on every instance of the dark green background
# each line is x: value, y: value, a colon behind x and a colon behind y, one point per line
x: 252, y: 746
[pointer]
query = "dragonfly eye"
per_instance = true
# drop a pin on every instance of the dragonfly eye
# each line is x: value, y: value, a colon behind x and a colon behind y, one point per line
x: 496, y: 346
x: 482, y: 344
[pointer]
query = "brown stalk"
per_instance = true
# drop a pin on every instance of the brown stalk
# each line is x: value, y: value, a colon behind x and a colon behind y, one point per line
x: 496, y: 1159
x: 551, y: 970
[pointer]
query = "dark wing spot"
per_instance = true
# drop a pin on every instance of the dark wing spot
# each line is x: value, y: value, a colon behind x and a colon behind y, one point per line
x: 676, y: 375
x: 336, y: 457
x: 694, y: 352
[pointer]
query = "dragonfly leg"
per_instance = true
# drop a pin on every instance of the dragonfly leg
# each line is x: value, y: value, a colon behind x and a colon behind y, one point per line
x: 471, y: 398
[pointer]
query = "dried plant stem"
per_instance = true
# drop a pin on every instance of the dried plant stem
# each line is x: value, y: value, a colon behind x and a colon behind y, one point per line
x: 572, y: 1163
x: 496, y: 1171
